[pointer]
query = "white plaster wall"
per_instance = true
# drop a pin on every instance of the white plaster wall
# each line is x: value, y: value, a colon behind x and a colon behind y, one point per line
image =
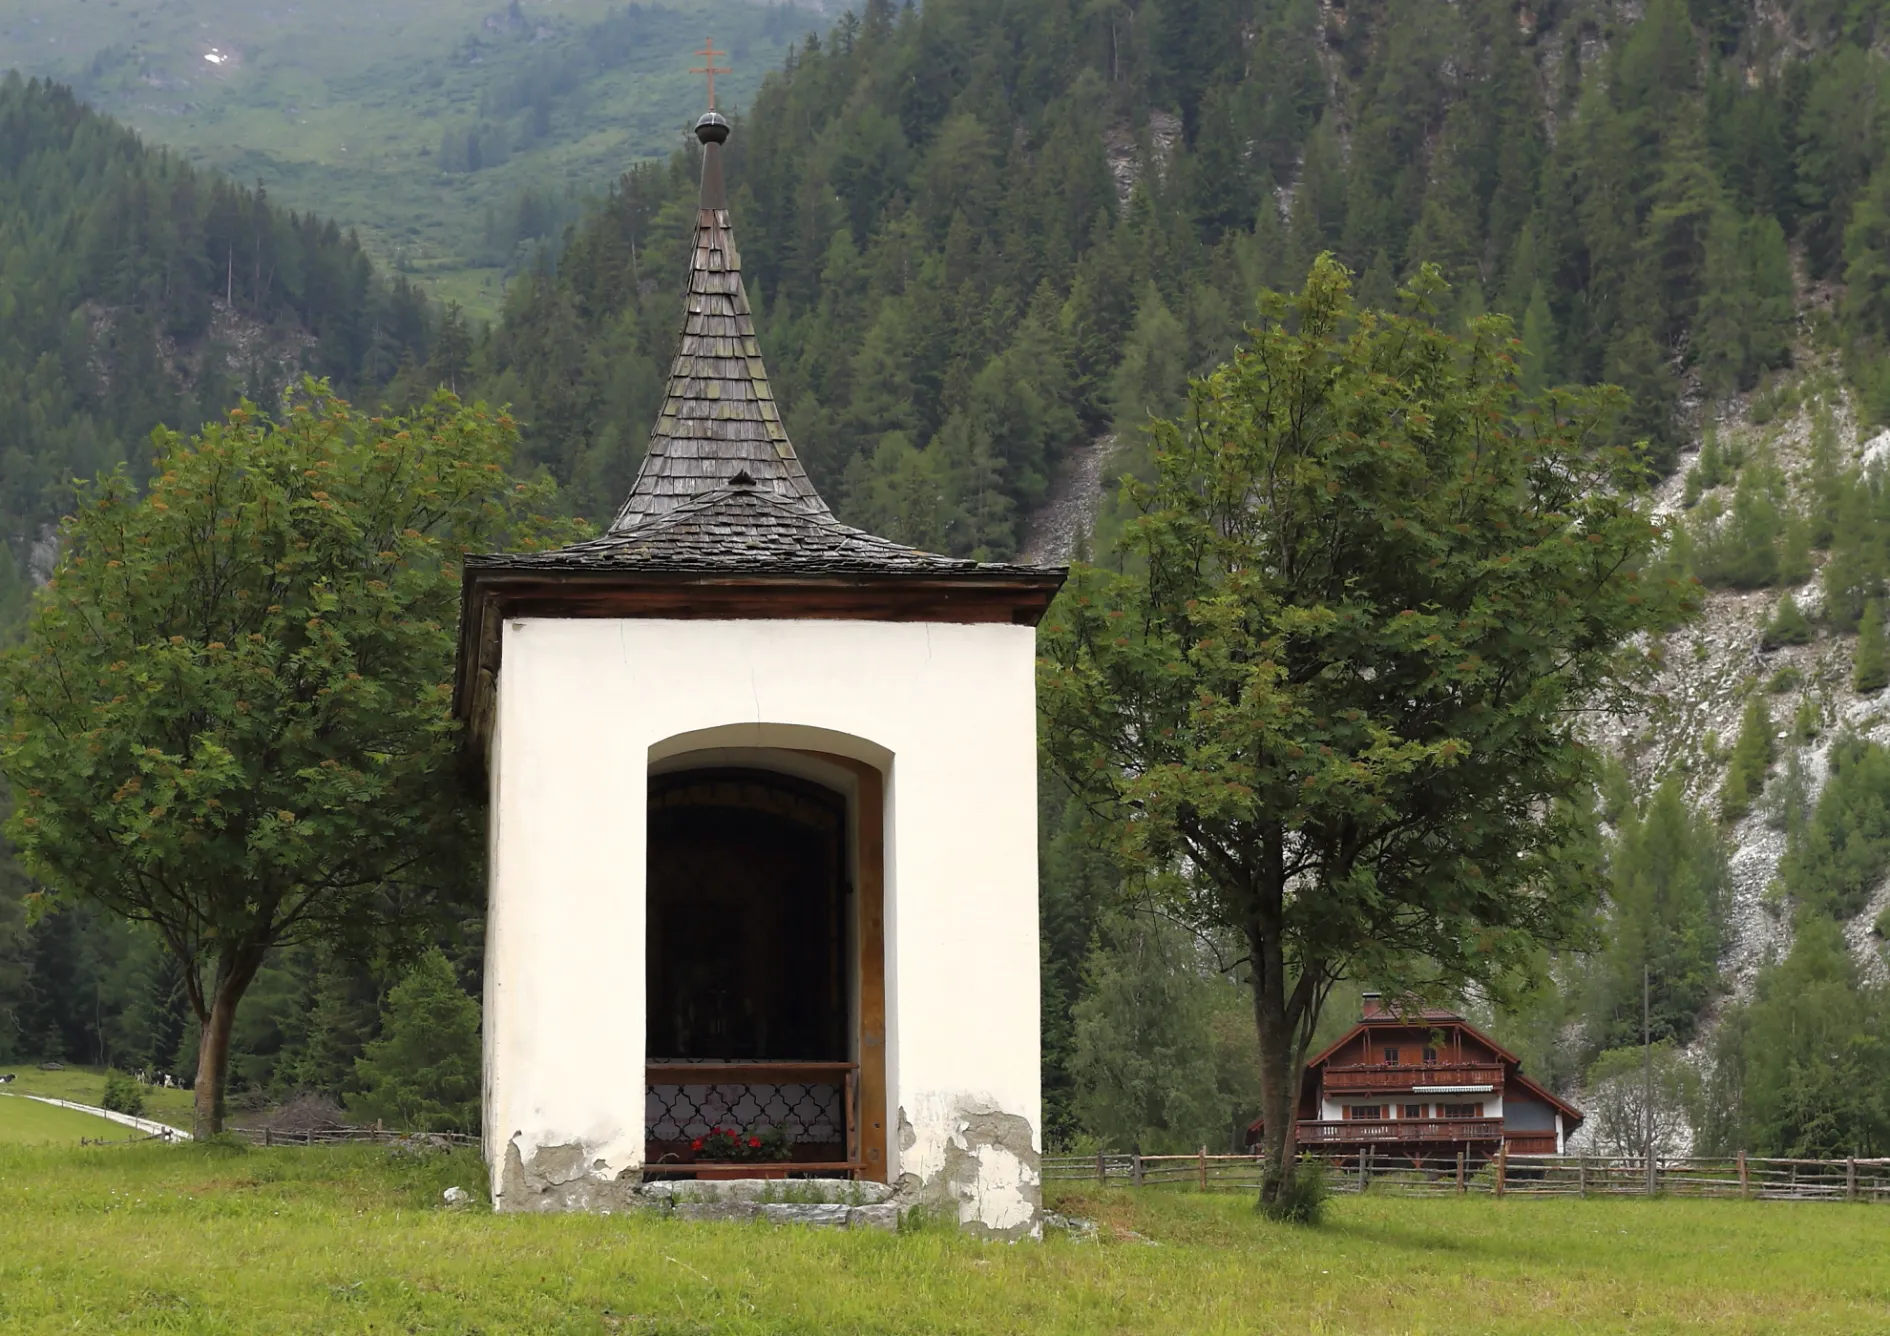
x: 948, y: 712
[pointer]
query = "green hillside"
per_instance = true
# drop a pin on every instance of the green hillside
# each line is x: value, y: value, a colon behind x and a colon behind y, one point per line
x: 136, y: 290
x: 454, y: 135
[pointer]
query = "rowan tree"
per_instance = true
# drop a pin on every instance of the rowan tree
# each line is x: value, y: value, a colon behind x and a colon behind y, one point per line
x: 230, y: 715
x: 1330, y: 700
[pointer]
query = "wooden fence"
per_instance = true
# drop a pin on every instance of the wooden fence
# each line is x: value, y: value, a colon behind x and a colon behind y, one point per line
x: 339, y: 1136
x: 1752, y: 1177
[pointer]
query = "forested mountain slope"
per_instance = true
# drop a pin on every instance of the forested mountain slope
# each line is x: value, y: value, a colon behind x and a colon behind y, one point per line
x: 956, y: 287
x: 136, y: 290
x: 454, y: 135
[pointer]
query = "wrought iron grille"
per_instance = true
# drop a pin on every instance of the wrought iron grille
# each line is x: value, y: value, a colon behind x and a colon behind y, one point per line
x: 807, y: 1112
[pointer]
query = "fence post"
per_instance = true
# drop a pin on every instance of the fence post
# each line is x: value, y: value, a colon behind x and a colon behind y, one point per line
x: 1850, y: 1179
x: 1745, y: 1180
x: 1102, y: 1170
x: 1502, y: 1167
x: 266, y: 1140
x: 1461, y: 1185
x: 1581, y: 1176
x: 1204, y: 1168
x: 1135, y: 1169
x: 1365, y: 1168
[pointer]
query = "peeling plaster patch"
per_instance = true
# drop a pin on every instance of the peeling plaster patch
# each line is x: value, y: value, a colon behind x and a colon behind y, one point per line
x: 556, y: 1179
x: 969, y: 1158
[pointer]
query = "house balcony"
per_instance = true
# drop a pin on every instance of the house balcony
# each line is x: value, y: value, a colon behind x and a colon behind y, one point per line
x: 1380, y: 1079
x: 1389, y: 1131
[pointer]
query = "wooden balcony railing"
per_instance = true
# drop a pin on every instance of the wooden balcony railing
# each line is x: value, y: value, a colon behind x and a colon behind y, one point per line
x: 725, y: 1083
x: 1354, y: 1080
x: 1387, y: 1131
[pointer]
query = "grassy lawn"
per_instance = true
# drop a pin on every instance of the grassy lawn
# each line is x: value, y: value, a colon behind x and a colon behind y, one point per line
x: 28, y: 1122
x: 214, y: 1239
x: 86, y: 1085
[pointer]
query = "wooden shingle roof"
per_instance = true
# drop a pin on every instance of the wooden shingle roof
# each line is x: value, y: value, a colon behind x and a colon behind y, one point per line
x: 741, y: 527
x: 719, y: 417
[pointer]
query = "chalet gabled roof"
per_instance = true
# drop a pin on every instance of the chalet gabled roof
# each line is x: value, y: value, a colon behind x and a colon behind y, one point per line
x: 719, y: 416
x: 1436, y: 1017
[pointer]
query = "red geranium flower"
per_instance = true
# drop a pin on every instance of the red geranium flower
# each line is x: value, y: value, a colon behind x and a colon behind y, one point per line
x: 754, y: 1143
x: 696, y: 1144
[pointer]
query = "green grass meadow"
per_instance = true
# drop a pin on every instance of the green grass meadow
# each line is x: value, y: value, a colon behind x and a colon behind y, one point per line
x: 218, y: 1239
x: 27, y: 1122
x: 86, y: 1085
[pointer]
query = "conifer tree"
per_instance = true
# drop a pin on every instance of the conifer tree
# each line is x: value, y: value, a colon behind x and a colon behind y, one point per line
x: 1751, y: 758
x: 1870, y: 664
x: 422, y: 1073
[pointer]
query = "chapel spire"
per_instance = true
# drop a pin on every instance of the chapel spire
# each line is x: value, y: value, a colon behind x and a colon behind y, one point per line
x: 719, y: 425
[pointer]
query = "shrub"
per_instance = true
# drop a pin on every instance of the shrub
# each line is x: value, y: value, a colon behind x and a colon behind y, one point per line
x: 1789, y: 625
x: 1304, y: 1201
x: 122, y: 1094
x: 1784, y: 680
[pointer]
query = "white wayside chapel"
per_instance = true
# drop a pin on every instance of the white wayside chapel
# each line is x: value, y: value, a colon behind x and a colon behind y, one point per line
x: 763, y: 827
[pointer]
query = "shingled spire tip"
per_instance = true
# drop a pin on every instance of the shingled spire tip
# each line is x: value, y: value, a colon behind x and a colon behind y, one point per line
x: 718, y: 427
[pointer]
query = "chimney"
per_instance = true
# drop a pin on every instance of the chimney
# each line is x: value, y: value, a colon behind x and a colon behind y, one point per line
x: 1371, y: 1005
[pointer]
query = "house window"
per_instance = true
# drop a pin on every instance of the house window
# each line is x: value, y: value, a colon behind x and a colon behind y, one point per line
x: 1414, y: 1111
x: 1430, y: 1056
x: 1460, y: 1110
x: 1391, y: 1057
x: 1365, y: 1112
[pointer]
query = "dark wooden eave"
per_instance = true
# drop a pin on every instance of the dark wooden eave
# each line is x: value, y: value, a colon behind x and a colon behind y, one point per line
x: 1011, y: 595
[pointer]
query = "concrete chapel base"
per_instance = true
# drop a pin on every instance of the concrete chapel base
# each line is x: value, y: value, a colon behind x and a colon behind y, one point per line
x: 943, y: 711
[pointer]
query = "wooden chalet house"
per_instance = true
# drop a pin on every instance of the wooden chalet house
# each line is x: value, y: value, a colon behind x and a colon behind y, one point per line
x: 1424, y: 1084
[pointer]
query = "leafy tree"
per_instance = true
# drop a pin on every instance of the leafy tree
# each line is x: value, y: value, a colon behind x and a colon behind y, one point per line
x: 1149, y: 1072
x: 1751, y: 759
x: 422, y: 1074
x: 230, y: 716
x: 1617, y: 1090
x: 1326, y: 700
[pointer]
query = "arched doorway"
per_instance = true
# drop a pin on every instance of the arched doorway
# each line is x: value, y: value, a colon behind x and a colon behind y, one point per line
x: 763, y: 974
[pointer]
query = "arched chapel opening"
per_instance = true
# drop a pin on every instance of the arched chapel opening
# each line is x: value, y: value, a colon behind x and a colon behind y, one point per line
x: 764, y: 997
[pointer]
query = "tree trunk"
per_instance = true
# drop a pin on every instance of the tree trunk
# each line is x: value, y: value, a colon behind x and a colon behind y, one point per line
x: 1279, y: 1101
x: 213, y: 1050
x: 213, y: 1062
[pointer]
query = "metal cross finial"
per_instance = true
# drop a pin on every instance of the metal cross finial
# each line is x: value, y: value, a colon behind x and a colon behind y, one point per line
x: 708, y: 67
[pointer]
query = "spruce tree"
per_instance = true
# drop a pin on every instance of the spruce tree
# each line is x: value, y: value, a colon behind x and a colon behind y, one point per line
x: 1870, y: 666
x: 1751, y: 758
x: 422, y: 1074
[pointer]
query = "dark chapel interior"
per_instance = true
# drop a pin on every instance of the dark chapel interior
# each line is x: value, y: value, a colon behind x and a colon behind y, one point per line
x: 747, y: 928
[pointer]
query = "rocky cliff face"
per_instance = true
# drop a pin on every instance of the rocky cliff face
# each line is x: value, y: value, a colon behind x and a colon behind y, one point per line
x: 1713, y: 666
